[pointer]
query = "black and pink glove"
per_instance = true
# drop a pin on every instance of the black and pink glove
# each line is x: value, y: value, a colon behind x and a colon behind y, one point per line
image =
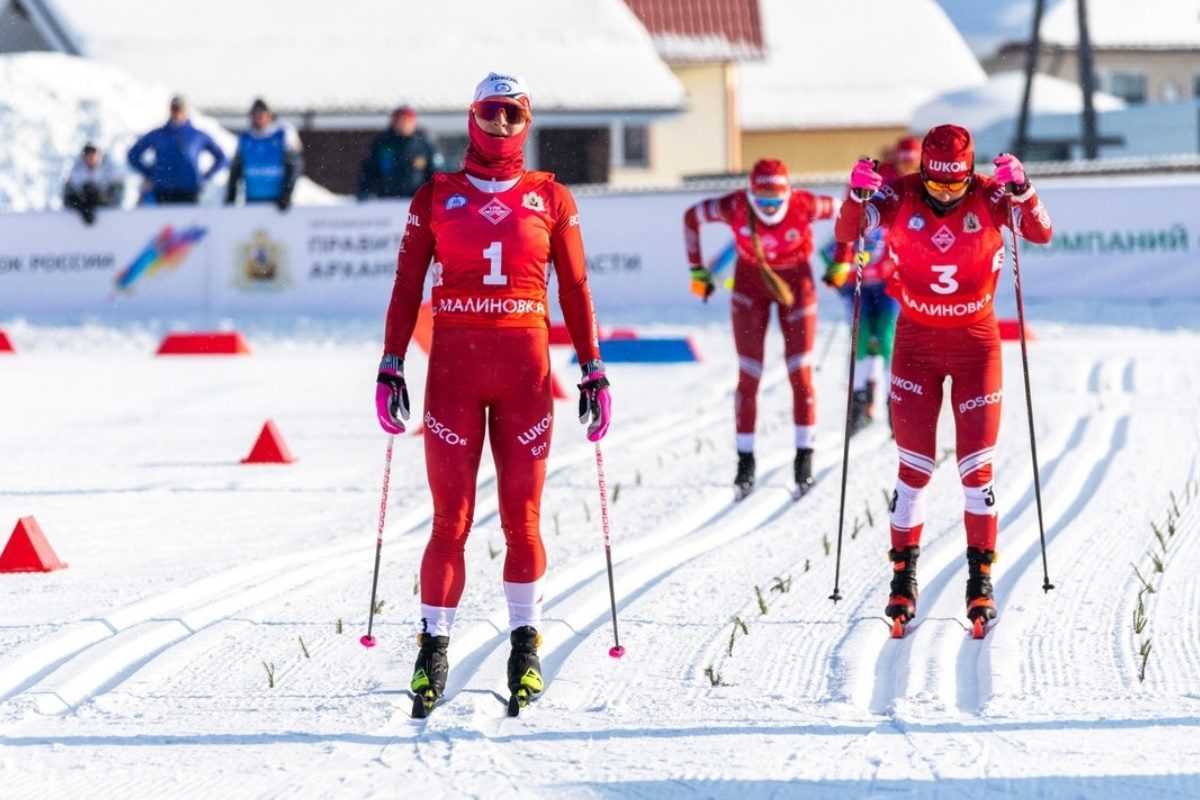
x: 1010, y: 171
x: 391, y: 395
x: 864, y: 179
x: 595, y: 402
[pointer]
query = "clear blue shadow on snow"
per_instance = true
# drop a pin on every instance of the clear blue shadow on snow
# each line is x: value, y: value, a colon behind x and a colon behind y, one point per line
x: 883, y: 728
x: 1053, y: 787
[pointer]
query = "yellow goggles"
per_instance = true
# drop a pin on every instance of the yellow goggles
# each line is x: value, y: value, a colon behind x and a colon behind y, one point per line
x: 946, y: 186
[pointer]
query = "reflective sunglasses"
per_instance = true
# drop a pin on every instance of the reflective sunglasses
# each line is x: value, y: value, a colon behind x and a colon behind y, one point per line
x: 946, y: 186
x: 769, y: 205
x: 490, y: 110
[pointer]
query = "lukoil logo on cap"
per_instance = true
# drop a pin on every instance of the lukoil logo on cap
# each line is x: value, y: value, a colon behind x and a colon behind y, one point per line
x: 948, y: 166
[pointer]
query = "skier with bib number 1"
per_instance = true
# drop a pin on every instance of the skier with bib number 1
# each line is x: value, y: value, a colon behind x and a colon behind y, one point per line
x: 943, y: 228
x: 493, y: 228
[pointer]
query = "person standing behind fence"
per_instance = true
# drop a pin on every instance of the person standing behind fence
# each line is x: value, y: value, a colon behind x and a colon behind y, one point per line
x: 174, y: 175
x: 268, y: 161
x: 94, y: 182
x: 400, y: 160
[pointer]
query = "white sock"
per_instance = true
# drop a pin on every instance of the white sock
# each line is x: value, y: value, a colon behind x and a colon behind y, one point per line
x: 745, y: 442
x: 805, y: 435
x: 436, y: 621
x: 524, y: 603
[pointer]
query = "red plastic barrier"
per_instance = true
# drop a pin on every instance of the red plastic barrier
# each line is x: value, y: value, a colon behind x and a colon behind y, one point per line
x: 1010, y: 332
x: 28, y: 551
x: 208, y: 343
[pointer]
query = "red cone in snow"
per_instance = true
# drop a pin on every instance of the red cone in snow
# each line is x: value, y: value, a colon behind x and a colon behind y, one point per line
x: 270, y: 448
x: 28, y: 551
x: 6, y: 343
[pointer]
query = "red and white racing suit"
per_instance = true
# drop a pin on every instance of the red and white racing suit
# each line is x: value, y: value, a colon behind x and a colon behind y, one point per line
x: 489, y: 367
x: 947, y: 267
x: 787, y: 246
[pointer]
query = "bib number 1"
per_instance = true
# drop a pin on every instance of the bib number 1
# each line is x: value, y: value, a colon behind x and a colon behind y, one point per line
x: 494, y: 276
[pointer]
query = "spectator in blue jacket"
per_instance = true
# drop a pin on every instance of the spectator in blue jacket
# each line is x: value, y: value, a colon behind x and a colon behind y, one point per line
x: 268, y: 161
x: 174, y: 175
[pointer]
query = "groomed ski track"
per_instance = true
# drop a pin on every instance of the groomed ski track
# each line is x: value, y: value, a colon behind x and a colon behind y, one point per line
x: 188, y: 572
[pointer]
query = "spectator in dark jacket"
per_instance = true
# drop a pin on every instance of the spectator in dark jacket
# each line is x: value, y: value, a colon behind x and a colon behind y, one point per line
x: 401, y: 159
x: 174, y: 175
x: 94, y: 182
x: 268, y: 161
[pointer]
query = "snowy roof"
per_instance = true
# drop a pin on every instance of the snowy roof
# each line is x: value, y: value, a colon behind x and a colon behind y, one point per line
x: 369, y: 55
x: 1000, y: 98
x: 1123, y: 23
x: 815, y: 76
x: 694, y: 31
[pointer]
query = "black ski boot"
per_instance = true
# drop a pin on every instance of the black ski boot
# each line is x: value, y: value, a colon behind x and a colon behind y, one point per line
x: 981, y: 607
x: 802, y: 467
x: 429, y: 673
x: 743, y: 482
x: 524, y: 669
x: 858, y: 411
x: 902, y: 604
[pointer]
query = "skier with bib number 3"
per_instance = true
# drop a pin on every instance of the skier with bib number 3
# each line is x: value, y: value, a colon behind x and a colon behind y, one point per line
x: 943, y: 227
x: 771, y: 224
x: 493, y: 228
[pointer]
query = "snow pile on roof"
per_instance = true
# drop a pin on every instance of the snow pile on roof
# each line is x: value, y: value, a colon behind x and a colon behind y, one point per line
x: 1000, y: 98
x: 370, y: 55
x: 53, y: 104
x: 816, y: 76
x: 1122, y: 23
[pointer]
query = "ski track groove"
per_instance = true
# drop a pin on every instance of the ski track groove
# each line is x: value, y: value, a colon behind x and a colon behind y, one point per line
x: 98, y: 653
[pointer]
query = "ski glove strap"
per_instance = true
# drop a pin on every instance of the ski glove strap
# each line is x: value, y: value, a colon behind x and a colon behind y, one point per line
x: 595, y: 402
x: 391, y: 395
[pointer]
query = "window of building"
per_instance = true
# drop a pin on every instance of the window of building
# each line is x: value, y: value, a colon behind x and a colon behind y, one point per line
x: 1129, y: 86
x: 636, y: 139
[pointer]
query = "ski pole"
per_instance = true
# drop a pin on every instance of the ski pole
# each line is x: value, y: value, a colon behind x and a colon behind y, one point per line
x: 860, y: 249
x: 1037, y: 483
x: 616, y: 651
x: 369, y: 640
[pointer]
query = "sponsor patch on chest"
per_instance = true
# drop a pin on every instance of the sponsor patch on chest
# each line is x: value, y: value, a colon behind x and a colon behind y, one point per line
x: 494, y: 211
x: 534, y: 202
x: 455, y: 201
x: 971, y: 223
x: 942, y: 239
x: 916, y: 222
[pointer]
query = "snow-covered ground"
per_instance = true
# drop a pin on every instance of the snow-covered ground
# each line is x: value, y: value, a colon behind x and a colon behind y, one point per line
x: 139, y: 670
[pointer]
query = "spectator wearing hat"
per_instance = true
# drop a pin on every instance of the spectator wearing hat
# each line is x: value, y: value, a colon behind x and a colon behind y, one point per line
x: 94, y: 182
x: 267, y: 162
x: 174, y: 175
x: 400, y: 160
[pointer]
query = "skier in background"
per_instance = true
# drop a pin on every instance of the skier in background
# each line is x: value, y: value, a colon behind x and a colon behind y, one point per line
x: 877, y: 310
x: 771, y: 226
x: 943, y: 228
x: 493, y: 227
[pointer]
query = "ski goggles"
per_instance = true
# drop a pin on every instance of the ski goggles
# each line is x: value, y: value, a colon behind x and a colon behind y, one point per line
x: 768, y: 205
x: 490, y: 110
x: 953, y: 187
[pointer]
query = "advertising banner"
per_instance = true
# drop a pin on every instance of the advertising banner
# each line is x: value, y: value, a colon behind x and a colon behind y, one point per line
x: 1135, y: 238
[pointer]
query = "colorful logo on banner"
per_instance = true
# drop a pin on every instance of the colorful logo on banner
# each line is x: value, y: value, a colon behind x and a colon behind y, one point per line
x: 261, y: 264
x: 167, y: 250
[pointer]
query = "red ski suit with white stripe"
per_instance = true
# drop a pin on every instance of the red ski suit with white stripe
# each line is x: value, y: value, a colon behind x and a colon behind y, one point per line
x: 947, y: 268
x: 489, y: 369
x: 787, y: 247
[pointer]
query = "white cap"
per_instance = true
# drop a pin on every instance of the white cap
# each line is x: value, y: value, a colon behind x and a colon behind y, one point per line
x: 497, y: 85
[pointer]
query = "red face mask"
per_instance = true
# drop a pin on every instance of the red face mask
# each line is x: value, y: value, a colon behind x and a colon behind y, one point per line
x: 499, y: 157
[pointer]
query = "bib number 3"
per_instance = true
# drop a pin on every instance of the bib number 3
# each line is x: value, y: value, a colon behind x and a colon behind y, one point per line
x: 945, y: 282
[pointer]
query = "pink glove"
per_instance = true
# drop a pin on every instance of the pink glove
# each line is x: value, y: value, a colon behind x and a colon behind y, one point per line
x: 391, y: 395
x: 595, y: 402
x: 864, y: 180
x: 1009, y: 169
